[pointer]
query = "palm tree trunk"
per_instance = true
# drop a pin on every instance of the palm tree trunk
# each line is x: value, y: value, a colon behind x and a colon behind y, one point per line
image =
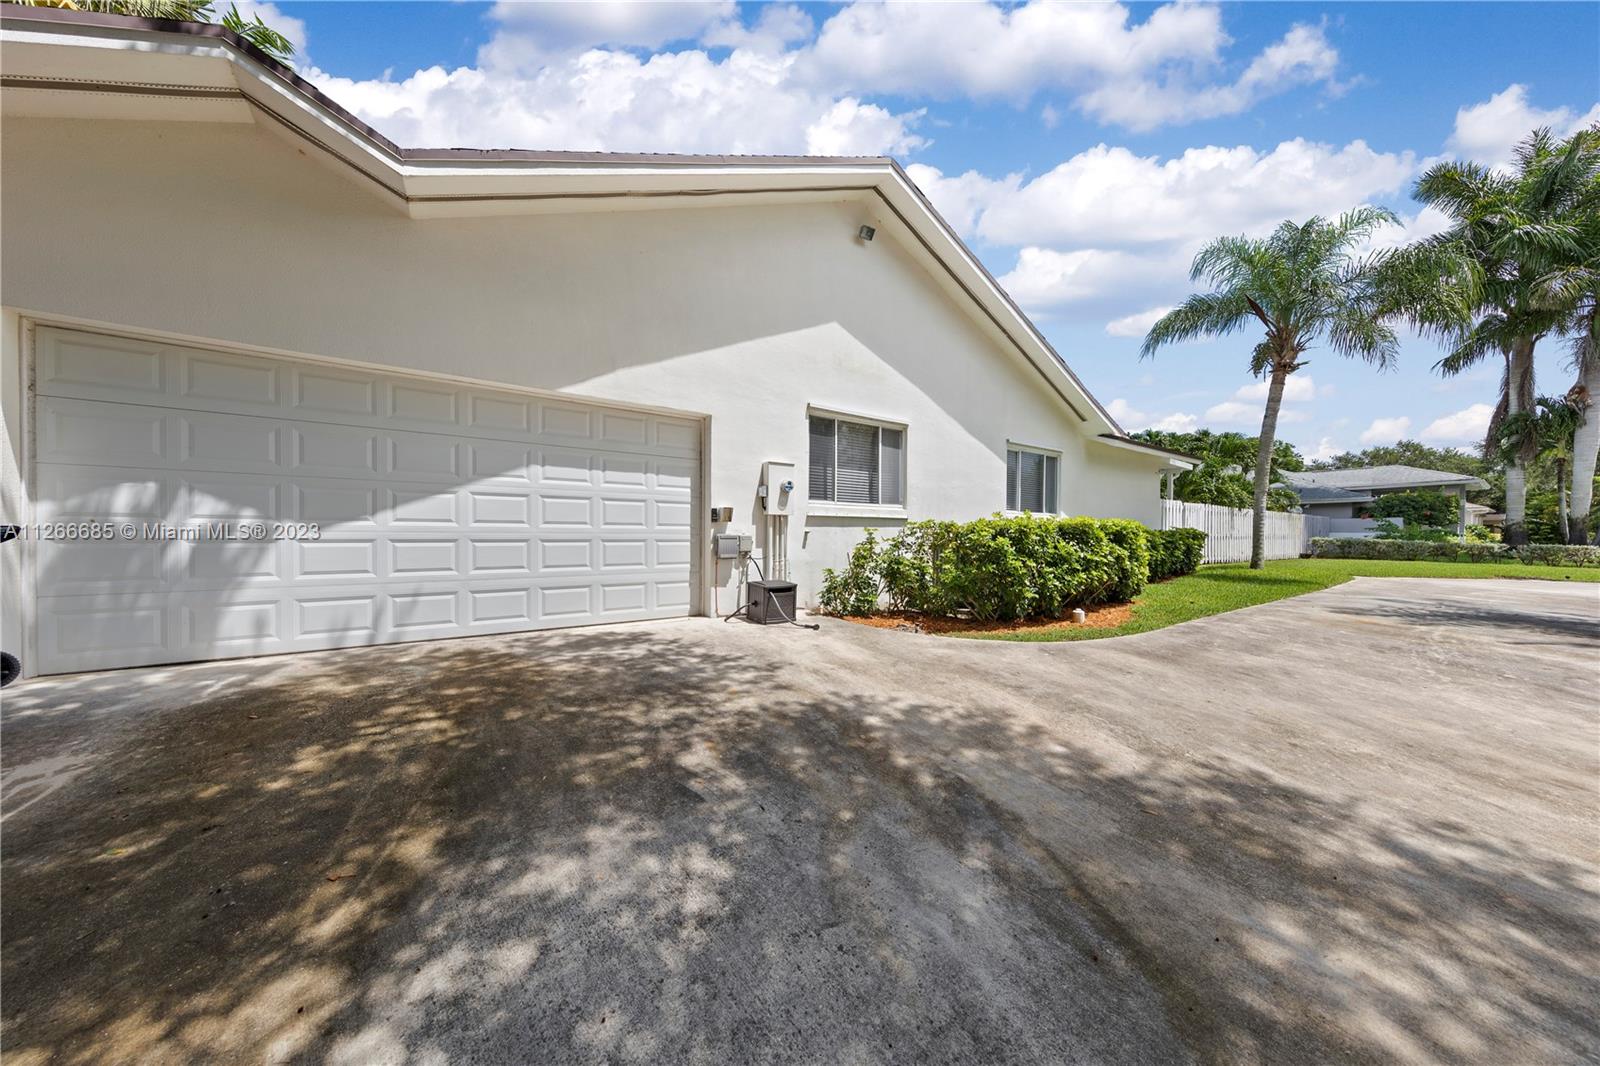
x: 1269, y: 430
x: 1585, y: 446
x: 1561, y: 498
x: 1519, y: 398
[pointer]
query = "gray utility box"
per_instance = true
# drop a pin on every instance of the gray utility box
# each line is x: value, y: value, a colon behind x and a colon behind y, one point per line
x: 771, y: 602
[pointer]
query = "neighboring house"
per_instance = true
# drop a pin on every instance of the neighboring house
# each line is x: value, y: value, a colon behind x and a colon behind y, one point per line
x: 1483, y: 515
x: 1346, y: 494
x: 513, y: 389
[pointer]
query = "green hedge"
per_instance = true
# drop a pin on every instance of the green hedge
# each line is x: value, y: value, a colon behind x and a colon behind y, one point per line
x: 1455, y: 551
x: 1174, y: 552
x: 998, y: 569
x: 1559, y: 554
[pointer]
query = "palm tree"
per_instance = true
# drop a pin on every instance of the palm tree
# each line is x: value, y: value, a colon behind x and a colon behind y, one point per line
x: 1302, y: 284
x: 254, y: 30
x: 1585, y: 397
x: 1523, y: 234
x: 1570, y: 286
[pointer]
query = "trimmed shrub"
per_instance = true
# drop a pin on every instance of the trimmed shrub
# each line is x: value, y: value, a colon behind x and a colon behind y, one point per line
x: 1134, y: 539
x: 1559, y: 554
x: 1456, y: 552
x: 853, y: 591
x: 1408, y: 550
x: 998, y: 569
x: 1174, y: 552
x: 1388, y: 530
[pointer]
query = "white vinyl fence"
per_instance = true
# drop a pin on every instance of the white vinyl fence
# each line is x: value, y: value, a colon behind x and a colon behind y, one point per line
x: 1227, y: 530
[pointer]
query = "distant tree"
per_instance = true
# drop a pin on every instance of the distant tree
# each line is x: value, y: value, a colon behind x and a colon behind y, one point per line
x: 253, y: 30
x: 1550, y: 427
x: 1408, y: 453
x: 1304, y: 284
x: 1227, y: 464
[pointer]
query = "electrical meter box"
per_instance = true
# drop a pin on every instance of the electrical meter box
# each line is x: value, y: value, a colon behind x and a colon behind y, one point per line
x: 727, y: 545
x: 777, y: 487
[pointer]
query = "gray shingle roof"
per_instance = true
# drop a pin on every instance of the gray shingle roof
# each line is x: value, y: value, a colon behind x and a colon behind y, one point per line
x: 1330, y: 494
x: 1381, y: 478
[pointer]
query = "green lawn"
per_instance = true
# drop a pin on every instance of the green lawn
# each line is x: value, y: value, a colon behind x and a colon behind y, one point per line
x: 1229, y: 586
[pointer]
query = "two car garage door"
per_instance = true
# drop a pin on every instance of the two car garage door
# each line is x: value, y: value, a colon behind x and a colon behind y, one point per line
x: 313, y: 507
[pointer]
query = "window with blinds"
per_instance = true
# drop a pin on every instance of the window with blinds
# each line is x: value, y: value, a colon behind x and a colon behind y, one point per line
x: 1031, y: 479
x: 856, y: 462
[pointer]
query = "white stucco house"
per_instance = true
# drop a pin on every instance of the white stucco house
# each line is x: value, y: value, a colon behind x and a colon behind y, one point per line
x: 508, y: 389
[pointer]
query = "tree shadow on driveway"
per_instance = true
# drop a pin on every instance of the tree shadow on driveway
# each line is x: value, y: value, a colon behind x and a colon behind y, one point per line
x: 619, y: 845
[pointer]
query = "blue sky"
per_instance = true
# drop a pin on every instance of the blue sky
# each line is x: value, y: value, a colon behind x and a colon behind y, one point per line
x: 1083, y: 150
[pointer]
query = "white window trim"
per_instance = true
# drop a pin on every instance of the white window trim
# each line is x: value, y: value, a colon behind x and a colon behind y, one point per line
x: 829, y: 509
x: 833, y: 509
x: 853, y: 416
x: 1049, y: 453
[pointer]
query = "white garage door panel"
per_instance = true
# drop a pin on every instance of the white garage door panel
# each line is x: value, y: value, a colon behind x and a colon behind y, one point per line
x: 443, y: 511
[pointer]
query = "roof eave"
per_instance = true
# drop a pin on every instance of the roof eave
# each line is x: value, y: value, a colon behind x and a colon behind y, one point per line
x: 1173, y: 459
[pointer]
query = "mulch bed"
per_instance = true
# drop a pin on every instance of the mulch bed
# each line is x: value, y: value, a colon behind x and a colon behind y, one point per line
x: 1109, y: 616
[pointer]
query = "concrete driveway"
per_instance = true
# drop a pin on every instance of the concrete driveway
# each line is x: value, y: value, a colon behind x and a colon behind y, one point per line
x: 1357, y: 826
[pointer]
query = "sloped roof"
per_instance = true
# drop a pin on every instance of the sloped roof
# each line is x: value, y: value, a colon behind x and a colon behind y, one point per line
x: 1330, y: 494
x: 1381, y: 478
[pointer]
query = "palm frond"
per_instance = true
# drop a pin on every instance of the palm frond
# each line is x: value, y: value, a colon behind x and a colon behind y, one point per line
x: 1201, y: 315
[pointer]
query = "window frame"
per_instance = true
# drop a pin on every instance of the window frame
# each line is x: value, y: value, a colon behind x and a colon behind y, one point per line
x: 1046, y: 488
x: 818, y: 505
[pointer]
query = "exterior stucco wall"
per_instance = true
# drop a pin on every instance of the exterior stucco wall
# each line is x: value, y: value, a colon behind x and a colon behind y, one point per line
x: 1331, y: 510
x: 746, y: 314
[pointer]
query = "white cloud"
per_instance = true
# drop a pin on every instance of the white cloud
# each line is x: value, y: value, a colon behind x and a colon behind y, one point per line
x: 1302, y: 57
x: 1131, y: 419
x: 613, y: 100
x: 850, y: 127
x: 1487, y: 132
x: 1233, y: 412
x: 1139, y: 75
x: 1107, y: 221
x: 292, y: 28
x: 1386, y: 430
x: 1110, y: 196
x: 1425, y: 223
x: 1462, y: 427
x: 907, y: 49
x: 1297, y: 388
x: 1136, y: 325
x: 530, y: 35
x: 960, y: 198
x: 1325, y: 449
x: 1178, y: 422
x: 778, y: 25
x: 591, y: 76
x: 1249, y: 413
x: 1124, y: 413
x: 1044, y: 279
